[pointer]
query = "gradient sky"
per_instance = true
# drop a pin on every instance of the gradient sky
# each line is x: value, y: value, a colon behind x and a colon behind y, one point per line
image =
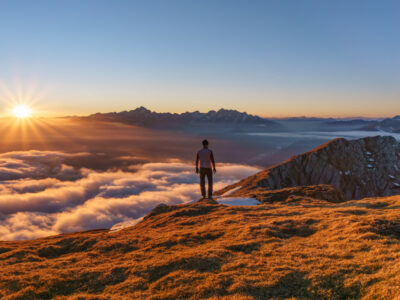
x: 272, y: 58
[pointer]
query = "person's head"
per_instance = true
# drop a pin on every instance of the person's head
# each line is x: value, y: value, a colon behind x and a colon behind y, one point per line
x: 205, y: 143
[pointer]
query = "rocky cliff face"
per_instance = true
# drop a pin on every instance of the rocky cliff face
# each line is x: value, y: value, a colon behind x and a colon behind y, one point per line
x: 367, y: 167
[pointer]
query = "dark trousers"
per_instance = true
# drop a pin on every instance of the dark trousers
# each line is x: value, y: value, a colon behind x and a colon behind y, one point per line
x: 203, y: 173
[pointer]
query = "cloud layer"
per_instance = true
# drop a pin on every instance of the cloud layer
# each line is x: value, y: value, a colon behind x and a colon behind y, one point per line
x: 41, y: 195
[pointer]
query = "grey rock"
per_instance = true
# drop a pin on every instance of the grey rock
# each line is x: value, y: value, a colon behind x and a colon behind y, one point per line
x: 344, y: 164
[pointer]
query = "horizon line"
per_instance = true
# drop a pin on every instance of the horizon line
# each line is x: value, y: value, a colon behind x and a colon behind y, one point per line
x: 72, y: 115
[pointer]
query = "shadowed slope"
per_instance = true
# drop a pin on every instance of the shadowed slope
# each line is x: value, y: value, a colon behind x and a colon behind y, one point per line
x: 304, y: 249
x: 367, y: 167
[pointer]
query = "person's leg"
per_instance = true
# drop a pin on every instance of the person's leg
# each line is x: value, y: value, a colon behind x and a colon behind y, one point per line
x: 210, y: 182
x: 203, y: 182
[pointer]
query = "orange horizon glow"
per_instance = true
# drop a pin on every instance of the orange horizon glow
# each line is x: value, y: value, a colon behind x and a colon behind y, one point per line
x: 29, y: 102
x: 46, y: 101
x: 13, y: 112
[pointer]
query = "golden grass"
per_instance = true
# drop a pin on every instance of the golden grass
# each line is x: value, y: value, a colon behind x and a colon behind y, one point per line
x: 296, y: 250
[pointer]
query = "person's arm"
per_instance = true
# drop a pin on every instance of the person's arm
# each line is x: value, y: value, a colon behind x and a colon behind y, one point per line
x: 197, y: 162
x: 213, y: 162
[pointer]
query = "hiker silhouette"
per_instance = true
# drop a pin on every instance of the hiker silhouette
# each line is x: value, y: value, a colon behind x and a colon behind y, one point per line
x: 205, y: 159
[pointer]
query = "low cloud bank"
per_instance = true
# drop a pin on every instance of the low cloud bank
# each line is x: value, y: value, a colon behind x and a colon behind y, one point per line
x: 41, y: 195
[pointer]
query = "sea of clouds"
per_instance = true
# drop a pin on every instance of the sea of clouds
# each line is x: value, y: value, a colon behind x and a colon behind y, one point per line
x: 41, y: 194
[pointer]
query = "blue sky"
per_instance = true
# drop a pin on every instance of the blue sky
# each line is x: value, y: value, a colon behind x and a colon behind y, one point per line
x: 272, y: 58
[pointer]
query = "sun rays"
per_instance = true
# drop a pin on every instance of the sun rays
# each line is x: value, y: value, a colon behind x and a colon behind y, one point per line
x: 23, y: 125
x: 23, y: 100
x: 37, y: 133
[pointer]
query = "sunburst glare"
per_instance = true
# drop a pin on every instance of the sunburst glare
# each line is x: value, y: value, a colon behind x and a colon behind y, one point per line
x: 21, y: 111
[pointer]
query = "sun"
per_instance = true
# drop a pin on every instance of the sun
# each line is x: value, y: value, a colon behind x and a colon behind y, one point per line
x: 21, y: 111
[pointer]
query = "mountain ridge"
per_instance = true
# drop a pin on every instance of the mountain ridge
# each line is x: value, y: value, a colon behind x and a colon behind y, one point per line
x: 142, y: 116
x: 366, y: 167
x: 388, y: 125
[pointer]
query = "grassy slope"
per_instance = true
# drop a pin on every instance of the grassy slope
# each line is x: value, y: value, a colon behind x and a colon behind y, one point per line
x: 302, y: 249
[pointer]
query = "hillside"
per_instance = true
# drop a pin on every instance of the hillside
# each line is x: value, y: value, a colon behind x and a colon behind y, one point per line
x: 300, y: 248
x: 367, y: 167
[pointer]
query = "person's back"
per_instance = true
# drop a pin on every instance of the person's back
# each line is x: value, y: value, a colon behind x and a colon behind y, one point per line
x: 205, y: 158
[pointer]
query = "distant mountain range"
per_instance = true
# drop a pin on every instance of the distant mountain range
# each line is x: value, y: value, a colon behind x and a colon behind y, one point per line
x: 389, y: 125
x: 354, y: 122
x: 144, y: 117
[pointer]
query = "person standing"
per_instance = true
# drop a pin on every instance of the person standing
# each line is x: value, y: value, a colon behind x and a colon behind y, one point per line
x: 205, y: 159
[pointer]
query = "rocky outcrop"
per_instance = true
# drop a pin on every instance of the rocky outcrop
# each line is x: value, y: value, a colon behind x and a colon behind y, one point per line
x: 367, y: 167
